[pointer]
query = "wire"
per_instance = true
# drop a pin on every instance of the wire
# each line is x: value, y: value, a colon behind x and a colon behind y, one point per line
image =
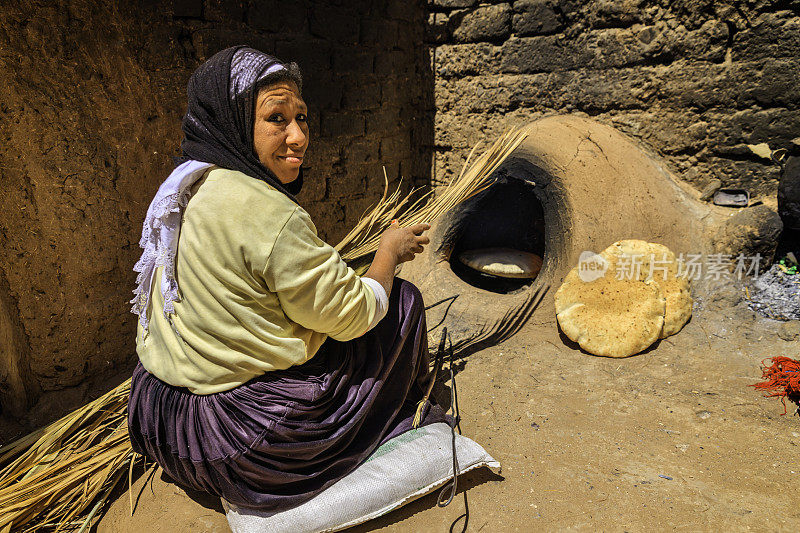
x: 453, y: 485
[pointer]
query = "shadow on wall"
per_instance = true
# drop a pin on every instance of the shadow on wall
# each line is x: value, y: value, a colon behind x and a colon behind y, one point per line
x: 91, y: 115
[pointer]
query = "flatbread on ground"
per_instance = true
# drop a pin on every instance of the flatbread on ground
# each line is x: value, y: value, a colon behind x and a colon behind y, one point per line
x: 609, y: 316
x: 503, y: 262
x: 656, y: 261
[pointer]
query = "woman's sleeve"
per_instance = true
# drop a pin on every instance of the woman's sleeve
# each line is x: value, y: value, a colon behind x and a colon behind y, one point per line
x: 315, y: 287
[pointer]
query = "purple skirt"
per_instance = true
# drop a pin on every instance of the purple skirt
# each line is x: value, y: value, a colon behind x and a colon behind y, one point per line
x: 281, y: 438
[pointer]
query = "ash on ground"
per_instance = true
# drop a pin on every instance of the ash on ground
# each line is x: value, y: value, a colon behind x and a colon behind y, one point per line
x: 776, y: 294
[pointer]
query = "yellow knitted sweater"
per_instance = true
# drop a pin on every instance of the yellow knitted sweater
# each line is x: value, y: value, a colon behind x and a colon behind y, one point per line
x: 259, y: 291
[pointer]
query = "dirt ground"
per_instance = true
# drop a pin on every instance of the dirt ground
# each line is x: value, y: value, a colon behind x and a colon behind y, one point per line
x: 672, y: 439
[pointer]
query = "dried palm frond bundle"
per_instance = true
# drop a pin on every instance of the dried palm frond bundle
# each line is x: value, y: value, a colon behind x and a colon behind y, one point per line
x: 50, y: 478
x: 474, y: 178
x: 59, y: 477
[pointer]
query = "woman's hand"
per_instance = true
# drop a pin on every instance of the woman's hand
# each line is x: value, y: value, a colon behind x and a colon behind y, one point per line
x: 397, y: 245
x: 404, y: 243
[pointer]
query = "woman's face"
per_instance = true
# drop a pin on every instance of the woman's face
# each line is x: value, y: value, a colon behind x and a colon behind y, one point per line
x: 280, y: 132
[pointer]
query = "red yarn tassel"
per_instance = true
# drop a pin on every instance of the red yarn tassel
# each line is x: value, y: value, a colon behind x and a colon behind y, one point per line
x: 782, y: 378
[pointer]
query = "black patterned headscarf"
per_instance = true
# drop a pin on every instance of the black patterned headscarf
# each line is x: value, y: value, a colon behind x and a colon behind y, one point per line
x: 218, y: 125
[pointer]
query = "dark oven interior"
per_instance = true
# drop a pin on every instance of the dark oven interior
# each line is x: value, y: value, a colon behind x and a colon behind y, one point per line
x: 507, y: 215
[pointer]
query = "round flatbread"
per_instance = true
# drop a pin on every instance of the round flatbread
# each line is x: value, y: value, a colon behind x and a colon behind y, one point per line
x: 502, y: 262
x: 649, y: 260
x: 609, y: 316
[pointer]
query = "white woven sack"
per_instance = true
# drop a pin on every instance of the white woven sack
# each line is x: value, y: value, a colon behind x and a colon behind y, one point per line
x: 399, y: 471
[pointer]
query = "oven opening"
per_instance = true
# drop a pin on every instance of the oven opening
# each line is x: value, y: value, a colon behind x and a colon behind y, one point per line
x: 499, y: 238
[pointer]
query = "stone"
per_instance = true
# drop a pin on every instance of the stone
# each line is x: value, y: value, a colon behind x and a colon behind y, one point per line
x: 789, y: 331
x: 546, y: 53
x: 726, y: 296
x: 452, y: 4
x: 708, y: 191
x: 614, y: 13
x: 615, y: 48
x: 750, y: 231
x: 489, y: 23
x: 467, y: 60
x: 789, y: 194
x: 535, y: 17
x: 437, y: 30
x: 757, y: 40
x: 768, y: 83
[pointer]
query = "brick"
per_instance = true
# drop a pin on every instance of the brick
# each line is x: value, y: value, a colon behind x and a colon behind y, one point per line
x: 467, y: 60
x: 385, y: 32
x: 542, y: 54
x: 337, y: 123
x: 451, y: 4
x: 358, y: 207
x: 375, y: 181
x: 394, y: 147
x: 410, y: 171
x: 334, y: 24
x: 394, y: 91
x: 437, y: 30
x: 209, y: 41
x: 347, y: 60
x: 752, y: 126
x: 613, y: 13
x: 314, y: 186
x: 187, y: 8
x: 535, y: 17
x: 223, y: 10
x: 293, y: 17
x: 766, y: 83
x: 311, y: 54
x: 359, y: 151
x: 697, y: 85
x: 402, y: 10
x: 373, y: 173
x: 361, y: 94
x: 348, y: 185
x: 384, y: 121
x: 612, y: 48
x: 323, y: 155
x: 477, y: 94
x: 328, y: 216
x: 323, y: 94
x: 489, y: 23
x: 772, y: 35
x: 394, y: 63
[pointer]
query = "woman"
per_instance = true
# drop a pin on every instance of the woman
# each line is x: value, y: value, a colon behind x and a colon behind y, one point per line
x: 268, y: 369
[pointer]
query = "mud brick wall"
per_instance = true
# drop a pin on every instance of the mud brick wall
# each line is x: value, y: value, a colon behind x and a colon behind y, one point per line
x: 93, y: 94
x: 696, y: 80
